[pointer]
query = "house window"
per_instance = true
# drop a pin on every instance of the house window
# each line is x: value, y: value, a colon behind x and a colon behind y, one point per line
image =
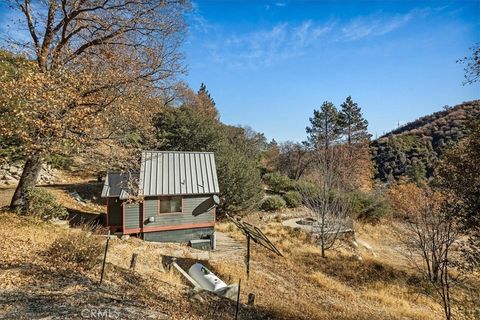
x: 170, y: 204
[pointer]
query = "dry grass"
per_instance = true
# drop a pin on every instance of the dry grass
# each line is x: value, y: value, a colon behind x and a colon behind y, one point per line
x: 304, y: 286
x: 40, y: 277
x: 300, y: 285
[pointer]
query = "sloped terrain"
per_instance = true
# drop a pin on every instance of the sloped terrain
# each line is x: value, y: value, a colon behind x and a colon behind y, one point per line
x: 52, y: 271
x: 413, y: 150
x: 37, y: 283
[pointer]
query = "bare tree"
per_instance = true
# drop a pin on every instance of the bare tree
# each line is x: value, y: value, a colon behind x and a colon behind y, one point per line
x: 294, y: 159
x: 329, y: 210
x: 323, y: 197
x: 472, y: 65
x: 431, y: 233
x: 96, y: 70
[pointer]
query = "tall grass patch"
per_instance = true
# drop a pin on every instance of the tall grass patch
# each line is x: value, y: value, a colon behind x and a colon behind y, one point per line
x: 76, y: 249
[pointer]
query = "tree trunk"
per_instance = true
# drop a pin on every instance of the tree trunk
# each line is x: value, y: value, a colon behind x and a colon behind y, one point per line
x: 28, y: 180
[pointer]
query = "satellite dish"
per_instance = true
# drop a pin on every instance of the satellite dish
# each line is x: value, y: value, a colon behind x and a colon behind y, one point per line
x: 216, y: 200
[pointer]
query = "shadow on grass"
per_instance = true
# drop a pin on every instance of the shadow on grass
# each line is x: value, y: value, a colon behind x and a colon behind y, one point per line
x: 90, y: 191
x: 79, y: 218
x: 360, y: 273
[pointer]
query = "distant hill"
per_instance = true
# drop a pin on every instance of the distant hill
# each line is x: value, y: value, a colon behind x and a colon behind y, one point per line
x: 413, y: 150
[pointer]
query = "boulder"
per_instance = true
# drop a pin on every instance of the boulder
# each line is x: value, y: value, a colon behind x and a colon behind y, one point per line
x: 14, y: 170
x: 357, y: 257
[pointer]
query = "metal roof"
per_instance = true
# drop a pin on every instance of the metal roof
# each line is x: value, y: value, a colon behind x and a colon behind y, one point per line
x: 178, y: 173
x: 116, y: 184
x: 164, y: 173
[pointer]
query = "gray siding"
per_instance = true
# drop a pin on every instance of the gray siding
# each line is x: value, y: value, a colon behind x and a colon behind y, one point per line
x: 195, y: 210
x: 133, y: 215
x: 182, y: 236
x: 114, y: 212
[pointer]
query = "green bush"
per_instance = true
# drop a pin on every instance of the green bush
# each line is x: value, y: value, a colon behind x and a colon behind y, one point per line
x: 370, y: 207
x: 59, y: 161
x: 79, y: 249
x: 293, y: 199
x: 273, y: 203
x: 277, y: 182
x: 238, y: 176
x: 307, y: 189
x: 42, y: 204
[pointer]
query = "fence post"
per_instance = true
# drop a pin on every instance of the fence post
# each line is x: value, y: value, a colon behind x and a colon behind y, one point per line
x: 105, y: 257
x: 133, y: 262
x: 247, y: 262
x: 238, y: 299
x: 251, y: 299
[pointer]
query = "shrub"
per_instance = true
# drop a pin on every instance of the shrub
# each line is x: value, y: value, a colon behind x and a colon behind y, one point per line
x: 42, y: 204
x: 277, y: 182
x: 406, y: 200
x: 238, y: 176
x: 59, y: 161
x: 79, y: 249
x: 273, y: 203
x: 307, y: 189
x: 239, y: 179
x: 370, y: 207
x: 293, y: 199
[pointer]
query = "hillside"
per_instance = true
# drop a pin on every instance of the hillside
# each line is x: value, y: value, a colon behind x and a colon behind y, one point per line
x: 51, y: 270
x: 413, y: 150
x: 41, y: 277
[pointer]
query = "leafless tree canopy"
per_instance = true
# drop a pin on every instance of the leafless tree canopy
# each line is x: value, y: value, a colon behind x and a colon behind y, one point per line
x: 430, y: 236
x: 100, y: 69
x: 65, y: 31
x: 329, y: 211
x: 294, y: 159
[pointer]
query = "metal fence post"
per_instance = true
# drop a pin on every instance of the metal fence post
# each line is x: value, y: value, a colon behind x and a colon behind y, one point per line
x: 105, y: 257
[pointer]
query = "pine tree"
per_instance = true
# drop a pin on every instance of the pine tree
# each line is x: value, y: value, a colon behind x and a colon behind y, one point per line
x: 354, y: 131
x: 325, y: 128
x: 206, y: 105
x: 353, y: 124
x: 203, y: 92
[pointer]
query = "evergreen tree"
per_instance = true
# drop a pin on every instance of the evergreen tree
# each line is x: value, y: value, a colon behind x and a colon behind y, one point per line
x: 204, y: 92
x: 206, y: 104
x: 184, y: 129
x: 353, y: 123
x: 325, y: 128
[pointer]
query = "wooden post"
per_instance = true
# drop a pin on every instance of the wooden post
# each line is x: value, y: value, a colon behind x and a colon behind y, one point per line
x: 247, y: 261
x: 133, y: 262
x: 105, y: 257
x: 238, y: 299
x: 251, y: 299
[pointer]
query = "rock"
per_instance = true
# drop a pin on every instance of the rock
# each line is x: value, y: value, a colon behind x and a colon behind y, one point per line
x: 196, y: 297
x: 364, y: 244
x: 76, y: 196
x: 357, y: 257
x: 13, y: 169
x: 354, y: 244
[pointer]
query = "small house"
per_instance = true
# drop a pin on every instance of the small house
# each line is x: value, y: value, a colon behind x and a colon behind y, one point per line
x: 175, y: 198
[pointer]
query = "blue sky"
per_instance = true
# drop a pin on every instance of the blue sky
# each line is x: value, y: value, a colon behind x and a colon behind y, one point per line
x: 269, y: 64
